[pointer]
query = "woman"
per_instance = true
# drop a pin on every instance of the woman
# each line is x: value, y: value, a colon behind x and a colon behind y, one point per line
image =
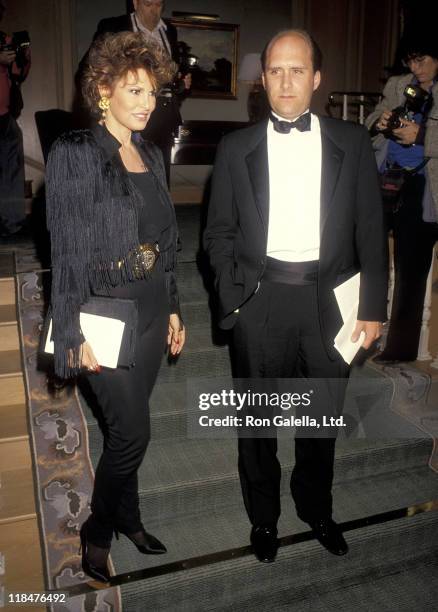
x: 414, y: 147
x: 107, y: 201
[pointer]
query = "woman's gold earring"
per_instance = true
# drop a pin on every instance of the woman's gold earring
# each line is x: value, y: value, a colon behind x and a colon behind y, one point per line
x: 104, y: 105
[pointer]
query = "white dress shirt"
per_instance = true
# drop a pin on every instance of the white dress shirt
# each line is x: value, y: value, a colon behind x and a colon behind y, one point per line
x: 158, y: 34
x: 294, y: 193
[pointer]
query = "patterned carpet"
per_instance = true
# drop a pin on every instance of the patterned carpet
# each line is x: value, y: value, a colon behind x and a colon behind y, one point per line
x: 189, y: 488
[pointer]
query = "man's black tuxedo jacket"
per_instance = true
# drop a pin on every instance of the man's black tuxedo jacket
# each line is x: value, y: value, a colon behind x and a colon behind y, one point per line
x: 351, y: 223
x: 166, y: 118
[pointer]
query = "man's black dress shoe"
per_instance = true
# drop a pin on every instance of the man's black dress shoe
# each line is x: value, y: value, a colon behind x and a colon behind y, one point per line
x: 329, y: 534
x: 145, y: 542
x: 264, y: 543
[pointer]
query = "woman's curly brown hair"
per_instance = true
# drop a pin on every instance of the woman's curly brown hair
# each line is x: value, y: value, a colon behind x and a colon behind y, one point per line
x: 113, y: 56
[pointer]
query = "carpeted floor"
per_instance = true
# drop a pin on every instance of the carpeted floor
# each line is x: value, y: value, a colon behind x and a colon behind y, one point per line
x: 190, y: 493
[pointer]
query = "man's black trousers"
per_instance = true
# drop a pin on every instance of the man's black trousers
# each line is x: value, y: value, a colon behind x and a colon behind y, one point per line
x: 277, y: 335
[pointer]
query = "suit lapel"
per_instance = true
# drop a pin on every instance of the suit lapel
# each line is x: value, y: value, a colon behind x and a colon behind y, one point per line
x: 332, y: 157
x: 258, y: 170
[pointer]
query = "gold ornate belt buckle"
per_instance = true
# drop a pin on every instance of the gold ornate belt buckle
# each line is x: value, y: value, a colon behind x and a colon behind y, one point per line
x: 143, y: 258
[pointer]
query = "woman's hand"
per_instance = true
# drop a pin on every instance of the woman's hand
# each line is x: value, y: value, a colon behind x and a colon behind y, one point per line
x: 407, y: 134
x: 88, y: 360
x: 176, y: 336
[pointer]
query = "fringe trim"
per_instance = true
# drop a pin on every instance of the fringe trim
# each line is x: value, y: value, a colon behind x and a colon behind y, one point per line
x: 92, y: 216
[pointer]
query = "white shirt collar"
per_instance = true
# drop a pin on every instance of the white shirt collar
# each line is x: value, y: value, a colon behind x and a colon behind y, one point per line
x: 284, y: 118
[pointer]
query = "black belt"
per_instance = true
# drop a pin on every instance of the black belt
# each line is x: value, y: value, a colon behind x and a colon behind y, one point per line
x: 291, y: 272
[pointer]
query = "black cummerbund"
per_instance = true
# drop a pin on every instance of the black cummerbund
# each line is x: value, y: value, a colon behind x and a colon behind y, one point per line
x: 291, y: 272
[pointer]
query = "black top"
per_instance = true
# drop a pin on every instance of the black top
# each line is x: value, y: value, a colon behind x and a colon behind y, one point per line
x: 154, y: 219
x: 154, y: 227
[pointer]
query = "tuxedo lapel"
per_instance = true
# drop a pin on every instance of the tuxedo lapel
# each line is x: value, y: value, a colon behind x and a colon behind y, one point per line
x: 332, y: 157
x: 258, y: 170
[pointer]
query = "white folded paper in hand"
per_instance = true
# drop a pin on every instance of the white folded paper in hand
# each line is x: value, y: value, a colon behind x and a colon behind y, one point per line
x: 347, y: 296
x: 103, y: 334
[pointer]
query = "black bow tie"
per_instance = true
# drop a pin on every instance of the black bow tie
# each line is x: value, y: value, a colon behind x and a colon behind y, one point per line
x: 302, y: 124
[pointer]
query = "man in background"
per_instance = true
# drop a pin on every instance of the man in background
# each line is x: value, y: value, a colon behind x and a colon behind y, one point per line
x: 14, y: 68
x: 146, y: 18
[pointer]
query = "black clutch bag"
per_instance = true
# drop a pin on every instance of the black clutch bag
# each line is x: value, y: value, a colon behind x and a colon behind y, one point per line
x: 124, y: 310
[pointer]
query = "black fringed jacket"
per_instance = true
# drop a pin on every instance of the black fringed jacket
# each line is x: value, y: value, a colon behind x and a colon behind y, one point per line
x: 92, y: 216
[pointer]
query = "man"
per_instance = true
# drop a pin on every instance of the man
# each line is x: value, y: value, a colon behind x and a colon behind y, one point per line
x: 291, y: 216
x: 14, y: 68
x: 146, y: 18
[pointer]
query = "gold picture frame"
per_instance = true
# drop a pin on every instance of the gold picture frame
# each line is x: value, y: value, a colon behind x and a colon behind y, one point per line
x: 209, y: 51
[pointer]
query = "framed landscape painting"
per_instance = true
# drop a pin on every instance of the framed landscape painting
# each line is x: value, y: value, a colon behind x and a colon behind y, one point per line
x: 209, y: 52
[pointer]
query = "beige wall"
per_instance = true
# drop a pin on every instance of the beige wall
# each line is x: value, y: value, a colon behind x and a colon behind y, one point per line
x: 357, y: 37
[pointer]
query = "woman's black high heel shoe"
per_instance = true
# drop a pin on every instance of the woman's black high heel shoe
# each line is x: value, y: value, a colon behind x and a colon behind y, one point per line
x: 97, y: 569
x: 145, y: 542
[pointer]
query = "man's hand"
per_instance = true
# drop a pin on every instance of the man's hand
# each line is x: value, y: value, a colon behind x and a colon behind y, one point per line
x: 372, y: 329
x: 176, y: 336
x: 7, y: 57
x: 382, y: 122
x: 407, y: 134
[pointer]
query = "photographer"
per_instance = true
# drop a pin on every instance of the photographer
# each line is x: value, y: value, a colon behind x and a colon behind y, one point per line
x: 404, y: 127
x: 14, y: 68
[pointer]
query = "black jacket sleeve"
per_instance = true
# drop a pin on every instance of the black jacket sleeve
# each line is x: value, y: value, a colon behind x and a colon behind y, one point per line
x: 371, y: 240
x: 69, y: 188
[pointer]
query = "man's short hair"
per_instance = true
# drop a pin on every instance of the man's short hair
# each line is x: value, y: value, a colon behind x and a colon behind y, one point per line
x: 314, y: 48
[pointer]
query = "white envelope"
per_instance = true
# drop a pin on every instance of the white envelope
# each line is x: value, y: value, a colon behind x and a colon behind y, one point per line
x: 103, y: 334
x: 347, y: 297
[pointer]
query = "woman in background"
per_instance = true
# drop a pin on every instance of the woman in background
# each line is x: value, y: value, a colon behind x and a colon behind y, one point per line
x: 415, y: 230
x: 110, y: 216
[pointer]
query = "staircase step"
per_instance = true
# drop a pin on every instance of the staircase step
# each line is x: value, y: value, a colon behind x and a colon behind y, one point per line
x: 20, y: 545
x: 403, y: 587
x: 241, y: 583
x: 16, y: 495
x: 188, y: 275
x: 10, y: 363
x: 194, y: 308
x: 199, y: 358
x: 12, y: 390
x: 15, y: 454
x: 220, y: 529
x: 181, y: 476
x: 13, y: 421
x: 9, y: 339
x: 8, y: 314
x: 7, y: 291
x: 367, y: 407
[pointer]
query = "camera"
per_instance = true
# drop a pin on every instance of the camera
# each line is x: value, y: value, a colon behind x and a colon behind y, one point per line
x: 414, y: 102
x: 19, y: 43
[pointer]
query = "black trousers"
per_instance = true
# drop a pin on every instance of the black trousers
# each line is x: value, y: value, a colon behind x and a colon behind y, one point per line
x: 123, y: 398
x: 12, y: 210
x: 413, y: 246
x: 277, y: 335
